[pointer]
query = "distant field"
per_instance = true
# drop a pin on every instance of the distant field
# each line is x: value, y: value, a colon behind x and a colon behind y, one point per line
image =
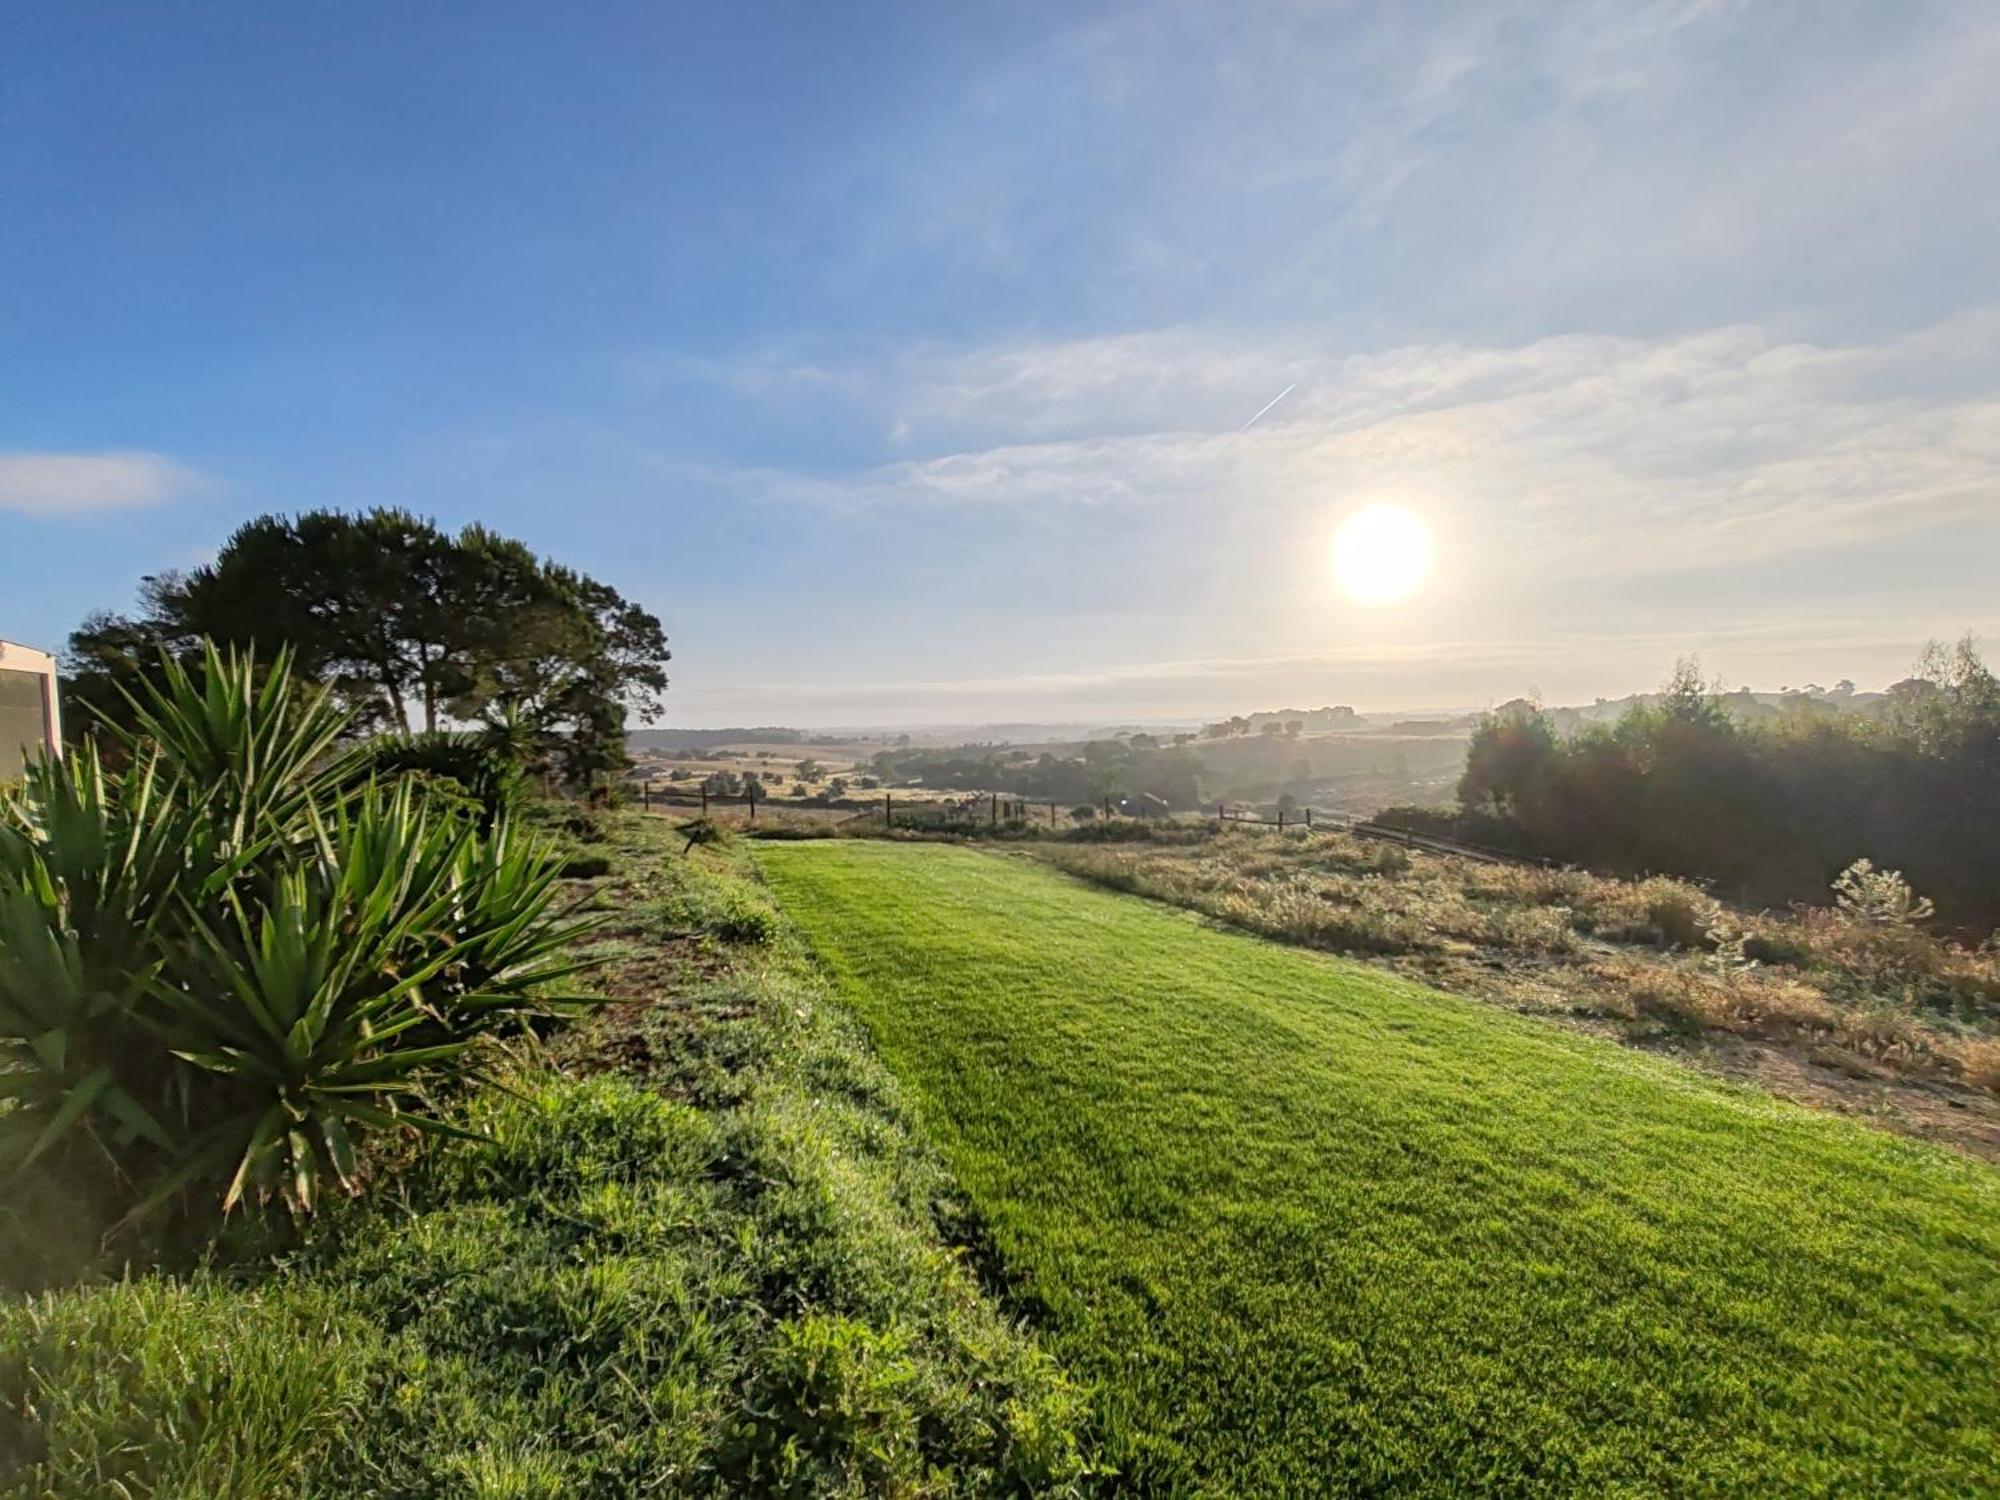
x: 1316, y: 1229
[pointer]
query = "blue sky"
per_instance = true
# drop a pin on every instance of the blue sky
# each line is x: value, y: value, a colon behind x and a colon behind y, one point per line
x: 896, y: 354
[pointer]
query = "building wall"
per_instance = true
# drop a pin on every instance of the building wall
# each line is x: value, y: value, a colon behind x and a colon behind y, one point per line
x: 30, y: 710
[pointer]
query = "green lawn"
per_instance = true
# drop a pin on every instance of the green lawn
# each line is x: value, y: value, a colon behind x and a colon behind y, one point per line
x: 1311, y: 1229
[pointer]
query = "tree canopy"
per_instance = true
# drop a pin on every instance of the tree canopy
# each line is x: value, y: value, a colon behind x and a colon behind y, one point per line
x: 1771, y: 808
x: 414, y: 627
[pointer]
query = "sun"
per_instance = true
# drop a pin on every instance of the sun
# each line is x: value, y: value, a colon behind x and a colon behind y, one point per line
x: 1381, y: 554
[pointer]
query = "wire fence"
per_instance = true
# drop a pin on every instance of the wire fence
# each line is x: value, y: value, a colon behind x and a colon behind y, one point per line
x: 995, y: 809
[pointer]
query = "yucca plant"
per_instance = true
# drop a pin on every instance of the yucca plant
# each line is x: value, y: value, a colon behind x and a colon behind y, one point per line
x: 222, y: 966
x: 92, y: 876
x: 328, y: 1001
x: 254, y: 745
x: 485, y: 768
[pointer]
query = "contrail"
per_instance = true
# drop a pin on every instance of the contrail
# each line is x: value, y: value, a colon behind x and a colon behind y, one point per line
x: 1268, y: 405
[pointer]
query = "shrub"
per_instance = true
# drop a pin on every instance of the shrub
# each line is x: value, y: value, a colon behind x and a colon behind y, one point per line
x: 1879, y: 898
x: 1690, y: 998
x: 1138, y: 831
x: 1675, y: 910
x: 1659, y: 911
x: 586, y: 866
x: 1728, y: 942
x: 222, y: 966
x: 1304, y: 911
x: 476, y: 765
x: 1533, y: 929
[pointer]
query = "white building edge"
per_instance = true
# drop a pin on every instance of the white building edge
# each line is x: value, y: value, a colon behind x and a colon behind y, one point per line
x: 30, y: 707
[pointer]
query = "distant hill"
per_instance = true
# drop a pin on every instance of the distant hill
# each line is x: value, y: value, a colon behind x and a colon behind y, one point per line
x: 708, y: 739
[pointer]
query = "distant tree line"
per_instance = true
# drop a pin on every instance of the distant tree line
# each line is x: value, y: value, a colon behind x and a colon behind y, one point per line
x: 1773, y: 809
x: 1289, y: 722
x: 1136, y: 766
x: 415, y: 629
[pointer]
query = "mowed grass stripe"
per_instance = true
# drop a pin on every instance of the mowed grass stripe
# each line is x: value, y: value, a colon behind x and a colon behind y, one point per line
x: 1312, y: 1229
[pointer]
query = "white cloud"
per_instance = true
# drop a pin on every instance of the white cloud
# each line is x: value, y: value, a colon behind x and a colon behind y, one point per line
x: 1586, y: 456
x: 1501, y: 167
x: 59, y: 484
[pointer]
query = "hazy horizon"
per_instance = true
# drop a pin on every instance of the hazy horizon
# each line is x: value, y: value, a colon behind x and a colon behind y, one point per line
x: 939, y: 722
x: 1022, y: 362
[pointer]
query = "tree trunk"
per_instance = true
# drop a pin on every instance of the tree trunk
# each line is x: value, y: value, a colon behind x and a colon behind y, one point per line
x: 396, y: 702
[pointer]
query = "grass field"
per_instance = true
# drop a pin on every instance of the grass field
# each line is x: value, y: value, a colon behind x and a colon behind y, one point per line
x: 1311, y: 1229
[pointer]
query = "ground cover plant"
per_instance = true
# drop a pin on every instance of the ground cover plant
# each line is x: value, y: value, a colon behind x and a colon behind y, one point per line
x: 697, y: 1248
x: 1316, y: 1229
x: 1856, y: 1006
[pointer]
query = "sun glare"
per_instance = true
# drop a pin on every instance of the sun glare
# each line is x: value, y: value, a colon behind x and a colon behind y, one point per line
x: 1381, y: 554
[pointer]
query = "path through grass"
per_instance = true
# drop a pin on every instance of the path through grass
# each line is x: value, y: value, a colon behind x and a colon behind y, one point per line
x: 1314, y: 1229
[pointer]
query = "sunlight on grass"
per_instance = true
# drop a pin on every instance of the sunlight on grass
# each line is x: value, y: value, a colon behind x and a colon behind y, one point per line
x: 1315, y: 1228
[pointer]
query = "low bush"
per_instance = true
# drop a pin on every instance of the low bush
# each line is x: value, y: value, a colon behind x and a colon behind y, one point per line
x: 1693, y: 997
x: 1788, y: 948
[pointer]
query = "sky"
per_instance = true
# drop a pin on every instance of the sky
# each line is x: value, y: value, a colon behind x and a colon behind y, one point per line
x: 899, y: 356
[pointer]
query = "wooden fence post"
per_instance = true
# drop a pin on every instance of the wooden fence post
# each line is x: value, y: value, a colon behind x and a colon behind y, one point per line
x: 1309, y: 820
x: 888, y: 811
x: 752, y: 797
x: 993, y: 811
x: 1052, y: 815
x: 704, y: 799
